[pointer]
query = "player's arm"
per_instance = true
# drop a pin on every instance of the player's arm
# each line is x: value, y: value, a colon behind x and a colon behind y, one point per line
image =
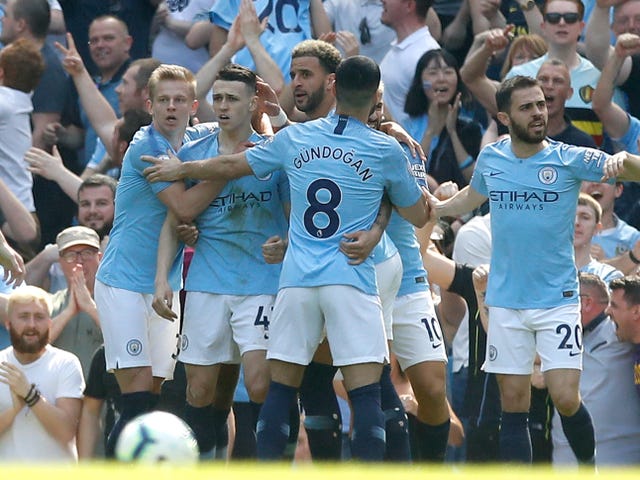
x: 89, y: 427
x: 614, y: 119
x: 223, y: 167
x: 167, y: 248
x: 357, y: 246
x: 623, y: 166
x: 418, y: 213
x: 480, y: 278
x: 462, y: 202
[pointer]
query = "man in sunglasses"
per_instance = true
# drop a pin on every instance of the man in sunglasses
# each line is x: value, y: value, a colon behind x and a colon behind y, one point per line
x: 562, y: 26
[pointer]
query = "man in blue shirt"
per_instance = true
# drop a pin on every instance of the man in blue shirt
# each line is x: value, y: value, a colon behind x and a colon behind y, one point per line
x: 532, y: 184
x: 139, y: 343
x: 338, y: 169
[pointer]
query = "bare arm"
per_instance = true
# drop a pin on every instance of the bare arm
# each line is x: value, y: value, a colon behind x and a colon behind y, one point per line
x: 167, y: 248
x: 613, y: 117
x: 89, y: 427
x: 485, y: 14
x: 464, y: 201
x: 51, y: 167
x: 597, y: 33
x: 60, y: 419
x: 38, y: 268
x: 39, y: 122
x: 224, y: 167
x: 100, y: 113
x: 19, y: 225
x: 57, y: 25
x: 480, y: 278
x: 320, y: 22
x: 418, y: 213
x: 198, y: 35
x: 474, y: 70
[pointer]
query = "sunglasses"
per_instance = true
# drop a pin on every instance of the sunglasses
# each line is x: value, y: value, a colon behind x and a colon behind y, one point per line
x: 365, y: 34
x: 554, y: 18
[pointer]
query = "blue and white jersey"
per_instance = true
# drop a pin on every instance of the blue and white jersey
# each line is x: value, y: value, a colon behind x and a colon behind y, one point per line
x: 289, y: 24
x: 617, y: 240
x: 603, y: 270
x: 130, y: 258
x: 385, y: 249
x: 338, y: 169
x: 227, y: 258
x: 403, y: 235
x: 533, y: 205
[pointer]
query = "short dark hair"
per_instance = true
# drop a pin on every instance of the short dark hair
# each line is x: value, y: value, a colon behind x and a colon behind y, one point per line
x: 508, y: 86
x: 589, y: 280
x: 357, y: 80
x: 233, y: 72
x: 36, y: 14
x: 578, y: 4
x: 98, y: 180
x: 328, y: 55
x: 422, y: 7
x: 22, y: 64
x: 631, y: 287
x: 132, y: 121
x: 146, y: 66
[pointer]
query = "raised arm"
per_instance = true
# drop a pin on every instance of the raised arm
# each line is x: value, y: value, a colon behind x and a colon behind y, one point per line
x: 474, y: 70
x: 224, y: 167
x: 613, y: 117
x: 101, y: 114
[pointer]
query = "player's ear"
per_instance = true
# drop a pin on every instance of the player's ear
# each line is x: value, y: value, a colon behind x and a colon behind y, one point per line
x: 331, y: 82
x: 253, y: 104
x: 503, y: 118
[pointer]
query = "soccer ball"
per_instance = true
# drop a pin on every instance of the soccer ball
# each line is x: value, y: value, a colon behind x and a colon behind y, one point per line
x: 157, y: 437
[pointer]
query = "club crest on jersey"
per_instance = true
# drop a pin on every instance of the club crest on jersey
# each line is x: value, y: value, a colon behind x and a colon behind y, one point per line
x: 134, y: 347
x: 184, y: 342
x: 493, y: 352
x: 548, y: 175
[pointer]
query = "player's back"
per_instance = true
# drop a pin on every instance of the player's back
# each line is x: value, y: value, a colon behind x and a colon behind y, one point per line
x: 338, y: 169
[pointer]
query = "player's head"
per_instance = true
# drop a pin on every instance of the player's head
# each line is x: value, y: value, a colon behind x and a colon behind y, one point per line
x: 234, y: 97
x: 124, y: 130
x: 377, y: 110
x: 624, y: 308
x: 29, y: 319
x: 21, y: 65
x: 555, y: 79
x: 132, y: 90
x: 313, y: 68
x: 96, y: 203
x: 522, y: 108
x: 357, y: 81
x: 587, y: 224
x: 172, y: 98
x: 594, y: 296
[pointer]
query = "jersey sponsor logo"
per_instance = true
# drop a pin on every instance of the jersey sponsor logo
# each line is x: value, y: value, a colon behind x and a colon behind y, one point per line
x: 548, y: 175
x: 241, y: 200
x: 591, y: 155
x: 522, y: 200
x: 134, y: 347
x: 329, y: 153
x: 419, y: 173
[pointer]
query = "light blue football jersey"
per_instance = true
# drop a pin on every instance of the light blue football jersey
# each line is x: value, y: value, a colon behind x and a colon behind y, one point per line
x: 228, y: 257
x: 338, y: 169
x: 533, y: 205
x: 403, y: 235
x: 289, y: 24
x: 130, y: 258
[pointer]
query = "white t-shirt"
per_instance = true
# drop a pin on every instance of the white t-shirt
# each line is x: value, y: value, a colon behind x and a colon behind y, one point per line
x: 398, y: 68
x: 57, y: 374
x: 15, y: 132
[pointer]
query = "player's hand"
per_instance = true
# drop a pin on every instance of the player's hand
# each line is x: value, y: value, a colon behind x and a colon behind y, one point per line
x: 15, y: 378
x: 446, y: 190
x: 163, y: 300
x: 273, y: 249
x: 267, y: 99
x: 613, y: 166
x: 71, y: 61
x: 164, y: 169
x: 188, y: 233
x: 400, y: 134
x: 357, y: 246
x: 480, y: 277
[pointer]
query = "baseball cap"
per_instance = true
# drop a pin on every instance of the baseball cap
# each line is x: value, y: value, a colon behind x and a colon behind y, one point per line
x: 77, y: 236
